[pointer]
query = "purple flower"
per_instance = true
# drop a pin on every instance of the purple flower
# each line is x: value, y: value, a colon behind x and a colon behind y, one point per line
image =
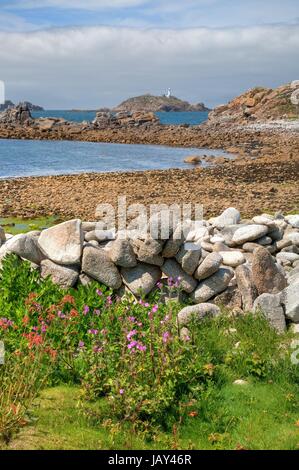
x: 121, y: 392
x: 109, y: 300
x: 60, y: 314
x: 97, y: 312
x: 130, y: 334
x: 85, y: 310
x: 43, y: 328
x: 81, y: 344
x: 99, y: 292
x: 159, y: 285
x: 155, y: 308
x: 97, y: 349
x: 93, y: 332
x: 132, y: 319
x: 132, y: 344
x: 141, y: 347
x: 166, y: 337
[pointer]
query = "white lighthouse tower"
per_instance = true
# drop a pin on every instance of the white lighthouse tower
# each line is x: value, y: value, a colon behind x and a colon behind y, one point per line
x: 168, y: 94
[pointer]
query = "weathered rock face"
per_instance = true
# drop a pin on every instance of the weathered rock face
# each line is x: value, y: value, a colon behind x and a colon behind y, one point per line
x: 266, y: 275
x: 270, y: 306
x: 20, y: 115
x: 64, y: 276
x: 197, y: 313
x: 98, y: 265
x: 210, y: 287
x: 63, y: 243
x: 141, y: 279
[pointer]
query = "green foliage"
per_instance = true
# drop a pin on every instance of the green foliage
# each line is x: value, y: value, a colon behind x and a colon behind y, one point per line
x: 127, y: 354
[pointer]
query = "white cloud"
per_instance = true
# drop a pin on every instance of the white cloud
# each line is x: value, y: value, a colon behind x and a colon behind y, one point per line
x: 81, y: 4
x: 97, y: 66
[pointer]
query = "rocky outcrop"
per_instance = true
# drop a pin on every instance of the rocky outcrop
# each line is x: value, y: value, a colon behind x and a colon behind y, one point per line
x: 9, y: 104
x: 260, y: 272
x: 257, y: 104
x: 150, y: 103
x: 124, y: 119
x: 17, y: 116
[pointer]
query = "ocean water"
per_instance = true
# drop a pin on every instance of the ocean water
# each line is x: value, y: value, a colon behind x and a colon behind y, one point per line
x: 46, y: 157
x: 171, y: 118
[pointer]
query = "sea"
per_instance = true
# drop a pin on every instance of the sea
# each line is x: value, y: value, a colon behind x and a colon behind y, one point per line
x: 21, y: 158
x: 49, y: 157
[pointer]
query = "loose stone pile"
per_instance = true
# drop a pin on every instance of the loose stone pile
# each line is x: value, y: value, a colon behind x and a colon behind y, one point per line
x: 244, y: 265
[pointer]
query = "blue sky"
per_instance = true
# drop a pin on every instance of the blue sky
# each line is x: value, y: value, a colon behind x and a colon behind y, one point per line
x: 87, y: 53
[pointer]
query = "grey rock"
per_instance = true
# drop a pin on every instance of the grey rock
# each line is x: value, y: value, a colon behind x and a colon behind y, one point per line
x: 63, y: 243
x: 264, y: 241
x: 232, y: 258
x: 178, y: 237
x: 280, y: 244
x: 171, y: 268
x: 230, y: 298
x: 197, y: 313
x: 285, y: 257
x: 85, y: 280
x: 212, y: 286
x: 266, y: 275
x: 230, y: 216
x: 122, y: 254
x: 141, y: 279
x: 248, y: 233
x: 64, y: 276
x: 189, y: 256
x: 98, y: 265
x: 209, y: 266
x: 26, y: 246
x: 2, y: 236
x: 293, y: 238
x: 90, y: 236
x: 246, y: 286
x: 270, y: 306
x: 88, y: 226
x: 293, y: 220
x: 290, y: 301
x: 291, y: 249
x: 148, y: 251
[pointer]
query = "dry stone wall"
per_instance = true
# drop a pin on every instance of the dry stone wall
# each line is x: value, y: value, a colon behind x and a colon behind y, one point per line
x: 243, y: 265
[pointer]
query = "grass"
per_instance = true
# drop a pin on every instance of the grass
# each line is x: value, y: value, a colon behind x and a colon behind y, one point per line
x: 253, y: 416
x: 169, y: 395
x: 16, y: 225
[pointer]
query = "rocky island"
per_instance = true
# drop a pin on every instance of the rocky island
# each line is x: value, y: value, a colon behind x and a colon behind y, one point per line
x: 9, y: 105
x: 150, y: 103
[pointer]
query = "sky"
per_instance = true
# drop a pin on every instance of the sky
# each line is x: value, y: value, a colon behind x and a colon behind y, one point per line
x: 65, y: 54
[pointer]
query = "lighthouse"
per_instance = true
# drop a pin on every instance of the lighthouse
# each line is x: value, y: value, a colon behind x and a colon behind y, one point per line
x: 168, y: 94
